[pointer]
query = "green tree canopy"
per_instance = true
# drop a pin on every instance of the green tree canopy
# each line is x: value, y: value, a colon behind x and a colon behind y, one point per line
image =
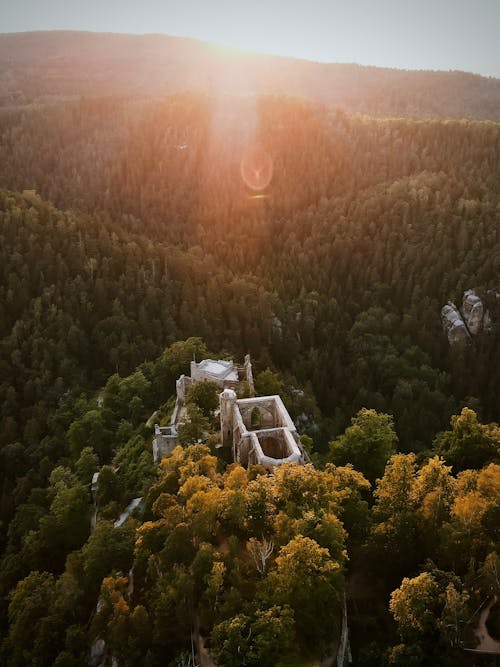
x: 469, y: 444
x: 367, y: 444
x: 205, y: 395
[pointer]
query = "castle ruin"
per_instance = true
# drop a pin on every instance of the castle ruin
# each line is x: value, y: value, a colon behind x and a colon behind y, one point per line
x: 225, y: 374
x: 258, y: 430
x: 254, y: 430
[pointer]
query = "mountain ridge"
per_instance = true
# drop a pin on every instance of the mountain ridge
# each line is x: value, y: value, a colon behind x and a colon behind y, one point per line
x: 37, y: 66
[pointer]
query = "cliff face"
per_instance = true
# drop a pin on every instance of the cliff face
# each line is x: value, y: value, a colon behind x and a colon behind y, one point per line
x: 453, y: 325
x: 473, y: 312
x: 472, y: 319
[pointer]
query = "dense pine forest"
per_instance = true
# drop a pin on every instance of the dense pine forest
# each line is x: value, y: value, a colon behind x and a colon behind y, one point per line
x: 129, y: 243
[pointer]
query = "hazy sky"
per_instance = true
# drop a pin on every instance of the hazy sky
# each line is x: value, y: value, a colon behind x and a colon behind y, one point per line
x: 414, y: 34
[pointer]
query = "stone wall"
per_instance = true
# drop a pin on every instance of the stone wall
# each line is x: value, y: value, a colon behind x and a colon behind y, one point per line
x: 271, y: 442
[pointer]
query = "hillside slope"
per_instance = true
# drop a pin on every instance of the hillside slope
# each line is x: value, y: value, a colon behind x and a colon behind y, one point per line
x: 41, y: 66
x: 337, y: 275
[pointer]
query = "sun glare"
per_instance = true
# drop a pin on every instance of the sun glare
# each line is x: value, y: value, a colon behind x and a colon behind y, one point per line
x: 234, y: 125
x: 256, y: 168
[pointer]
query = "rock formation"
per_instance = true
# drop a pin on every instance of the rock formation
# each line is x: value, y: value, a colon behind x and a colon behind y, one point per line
x: 473, y: 312
x: 453, y: 325
x: 472, y: 319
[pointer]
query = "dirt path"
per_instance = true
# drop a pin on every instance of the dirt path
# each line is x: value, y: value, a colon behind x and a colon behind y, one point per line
x: 204, y: 658
x: 486, y: 642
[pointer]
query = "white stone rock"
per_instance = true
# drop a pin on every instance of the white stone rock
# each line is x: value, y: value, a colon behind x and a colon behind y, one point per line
x: 453, y: 325
x: 473, y: 312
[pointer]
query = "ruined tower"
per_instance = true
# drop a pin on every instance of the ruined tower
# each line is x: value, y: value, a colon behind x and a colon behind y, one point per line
x: 227, y: 403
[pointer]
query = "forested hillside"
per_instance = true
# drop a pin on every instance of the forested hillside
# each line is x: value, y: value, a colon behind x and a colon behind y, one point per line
x: 125, y: 226
x: 337, y: 275
x: 254, y: 566
x: 43, y: 67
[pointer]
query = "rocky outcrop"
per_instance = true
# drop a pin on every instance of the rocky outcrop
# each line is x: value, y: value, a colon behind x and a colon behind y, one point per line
x: 473, y: 312
x: 472, y: 319
x: 492, y: 314
x: 453, y: 325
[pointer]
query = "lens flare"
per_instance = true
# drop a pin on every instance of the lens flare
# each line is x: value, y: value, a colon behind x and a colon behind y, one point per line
x: 256, y: 168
